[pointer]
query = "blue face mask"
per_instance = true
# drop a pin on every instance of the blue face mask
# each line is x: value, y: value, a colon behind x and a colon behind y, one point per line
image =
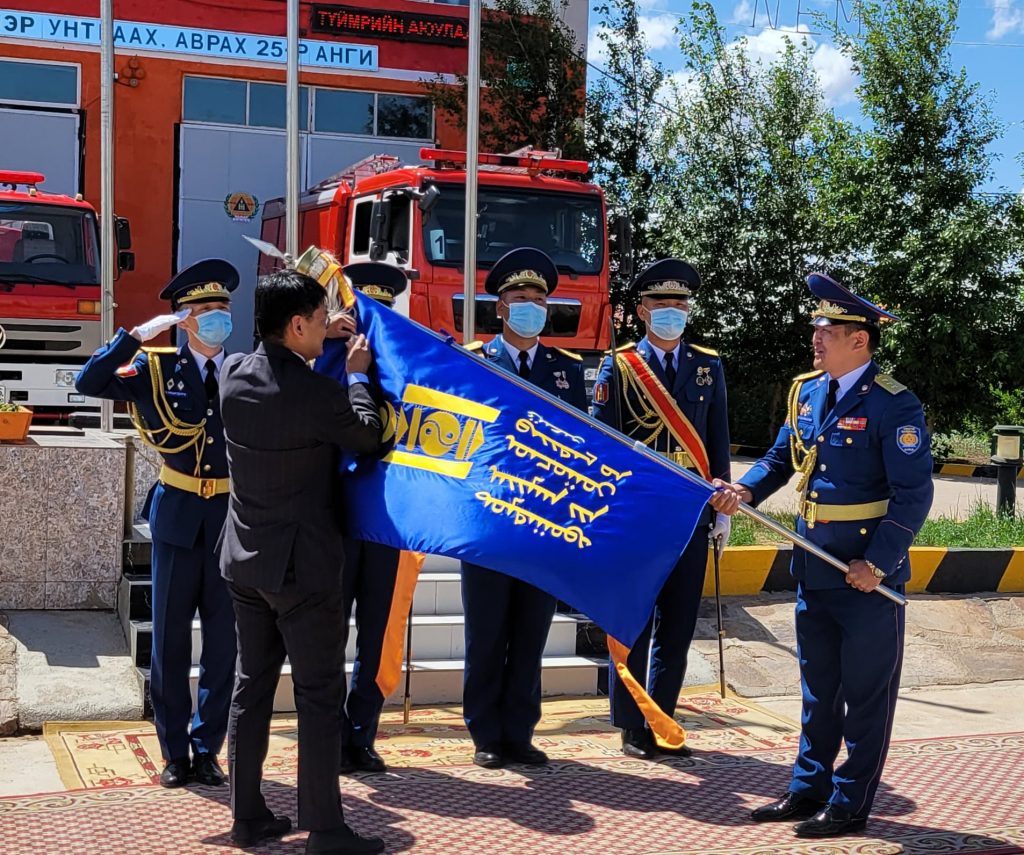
x: 527, y: 319
x: 214, y: 327
x: 668, y: 323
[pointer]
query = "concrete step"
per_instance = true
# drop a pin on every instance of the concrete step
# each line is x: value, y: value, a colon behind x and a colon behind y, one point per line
x: 442, y: 637
x: 440, y: 681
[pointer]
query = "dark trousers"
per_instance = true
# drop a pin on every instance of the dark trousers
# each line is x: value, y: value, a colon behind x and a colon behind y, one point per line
x: 850, y: 646
x: 668, y: 635
x: 184, y: 581
x: 307, y: 627
x: 369, y: 583
x: 507, y: 623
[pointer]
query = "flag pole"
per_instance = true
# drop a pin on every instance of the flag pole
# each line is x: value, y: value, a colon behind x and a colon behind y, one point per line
x: 292, y: 132
x: 472, y: 168
x: 107, y: 241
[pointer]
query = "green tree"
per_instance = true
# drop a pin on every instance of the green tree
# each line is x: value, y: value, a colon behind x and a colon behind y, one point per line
x: 904, y: 195
x: 748, y: 143
x: 629, y: 102
x: 533, y: 76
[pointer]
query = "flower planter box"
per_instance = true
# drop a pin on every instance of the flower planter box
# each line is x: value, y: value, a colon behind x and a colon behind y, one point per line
x: 14, y: 425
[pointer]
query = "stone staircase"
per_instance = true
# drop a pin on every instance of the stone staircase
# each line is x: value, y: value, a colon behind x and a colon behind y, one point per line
x: 574, y: 661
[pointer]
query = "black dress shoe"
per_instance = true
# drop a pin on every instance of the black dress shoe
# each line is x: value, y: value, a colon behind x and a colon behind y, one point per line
x: 790, y: 806
x: 341, y: 841
x: 524, y: 753
x: 175, y: 773
x: 830, y: 821
x: 345, y: 765
x: 206, y: 770
x: 249, y: 832
x: 489, y: 756
x: 366, y: 759
x: 638, y: 743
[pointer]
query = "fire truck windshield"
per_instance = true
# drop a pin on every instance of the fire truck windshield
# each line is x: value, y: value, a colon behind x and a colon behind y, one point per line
x: 567, y: 227
x: 48, y: 244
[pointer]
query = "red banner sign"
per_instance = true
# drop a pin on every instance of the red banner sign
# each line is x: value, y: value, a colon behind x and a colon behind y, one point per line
x: 406, y: 26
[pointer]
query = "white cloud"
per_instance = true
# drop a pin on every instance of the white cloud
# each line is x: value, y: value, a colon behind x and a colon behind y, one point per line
x: 658, y: 30
x: 1007, y: 17
x: 835, y: 73
x: 597, y: 50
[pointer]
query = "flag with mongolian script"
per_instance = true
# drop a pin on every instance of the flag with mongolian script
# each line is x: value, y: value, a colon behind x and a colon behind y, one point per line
x: 480, y: 466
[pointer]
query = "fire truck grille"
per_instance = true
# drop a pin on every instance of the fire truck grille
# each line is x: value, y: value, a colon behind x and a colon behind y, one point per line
x: 49, y: 338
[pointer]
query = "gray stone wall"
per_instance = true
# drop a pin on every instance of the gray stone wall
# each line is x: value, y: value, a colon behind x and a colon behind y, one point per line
x: 61, y: 521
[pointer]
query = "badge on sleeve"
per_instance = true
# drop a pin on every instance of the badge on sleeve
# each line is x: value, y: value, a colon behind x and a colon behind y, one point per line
x: 130, y: 370
x: 600, y: 393
x: 908, y: 438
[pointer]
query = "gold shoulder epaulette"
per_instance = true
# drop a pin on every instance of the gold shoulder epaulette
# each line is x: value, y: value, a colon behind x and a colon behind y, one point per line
x: 628, y: 346
x: 160, y: 350
x: 810, y: 375
x: 706, y: 350
x: 890, y: 384
x: 570, y: 354
x: 474, y: 346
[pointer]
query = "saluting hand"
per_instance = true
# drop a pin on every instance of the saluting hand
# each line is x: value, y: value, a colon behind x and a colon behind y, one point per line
x: 359, y: 356
x: 861, y: 577
x: 161, y: 323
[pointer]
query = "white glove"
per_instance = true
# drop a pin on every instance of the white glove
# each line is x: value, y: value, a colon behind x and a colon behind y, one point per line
x: 161, y: 323
x: 722, y: 527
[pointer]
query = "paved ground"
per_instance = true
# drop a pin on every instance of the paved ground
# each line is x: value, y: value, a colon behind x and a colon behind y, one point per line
x: 964, y: 671
x: 954, y: 497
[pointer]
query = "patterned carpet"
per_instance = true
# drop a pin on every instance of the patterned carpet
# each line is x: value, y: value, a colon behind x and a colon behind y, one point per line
x: 946, y: 795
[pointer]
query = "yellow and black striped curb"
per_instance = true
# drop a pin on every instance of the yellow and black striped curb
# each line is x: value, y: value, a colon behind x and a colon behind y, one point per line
x: 960, y: 470
x: 933, y: 570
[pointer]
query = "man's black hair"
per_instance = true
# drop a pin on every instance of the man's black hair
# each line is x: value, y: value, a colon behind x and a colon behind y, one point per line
x: 874, y: 333
x: 280, y: 297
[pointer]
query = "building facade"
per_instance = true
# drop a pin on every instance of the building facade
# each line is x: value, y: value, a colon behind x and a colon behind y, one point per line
x: 199, y: 112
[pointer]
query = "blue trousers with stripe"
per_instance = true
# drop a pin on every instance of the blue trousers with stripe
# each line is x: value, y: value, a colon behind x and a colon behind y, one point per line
x: 368, y: 584
x: 850, y: 646
x: 184, y: 581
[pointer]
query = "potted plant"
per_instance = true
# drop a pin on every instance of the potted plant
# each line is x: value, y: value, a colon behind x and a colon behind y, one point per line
x: 14, y: 422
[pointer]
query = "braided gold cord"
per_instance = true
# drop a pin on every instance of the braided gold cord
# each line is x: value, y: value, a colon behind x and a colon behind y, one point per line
x: 648, y: 419
x: 190, y: 434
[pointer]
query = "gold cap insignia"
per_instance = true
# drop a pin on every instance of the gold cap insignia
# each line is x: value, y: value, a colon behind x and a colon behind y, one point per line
x: 211, y: 290
x: 377, y: 292
x: 524, y: 277
x: 835, y: 312
x: 665, y: 288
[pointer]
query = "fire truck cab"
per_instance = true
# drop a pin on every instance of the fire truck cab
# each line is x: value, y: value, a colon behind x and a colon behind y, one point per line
x: 412, y: 216
x: 49, y: 292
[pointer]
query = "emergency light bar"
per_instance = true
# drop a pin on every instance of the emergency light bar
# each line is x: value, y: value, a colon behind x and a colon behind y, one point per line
x: 534, y: 162
x: 29, y: 179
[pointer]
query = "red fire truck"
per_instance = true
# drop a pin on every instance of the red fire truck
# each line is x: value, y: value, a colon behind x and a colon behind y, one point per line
x: 413, y: 215
x: 49, y: 292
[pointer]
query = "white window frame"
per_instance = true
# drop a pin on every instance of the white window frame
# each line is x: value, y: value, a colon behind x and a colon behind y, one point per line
x: 59, y: 105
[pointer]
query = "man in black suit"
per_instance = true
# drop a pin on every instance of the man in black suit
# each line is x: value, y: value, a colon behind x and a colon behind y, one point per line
x: 282, y: 552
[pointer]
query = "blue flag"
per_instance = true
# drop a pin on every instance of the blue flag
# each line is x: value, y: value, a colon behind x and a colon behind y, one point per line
x: 479, y: 465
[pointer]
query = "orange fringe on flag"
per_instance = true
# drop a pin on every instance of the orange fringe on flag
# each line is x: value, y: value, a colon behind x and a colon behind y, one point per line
x: 668, y: 733
x: 390, y: 670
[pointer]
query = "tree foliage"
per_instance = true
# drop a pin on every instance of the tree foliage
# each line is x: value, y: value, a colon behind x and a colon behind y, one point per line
x: 904, y: 197
x: 626, y: 120
x: 749, y: 141
x: 533, y: 76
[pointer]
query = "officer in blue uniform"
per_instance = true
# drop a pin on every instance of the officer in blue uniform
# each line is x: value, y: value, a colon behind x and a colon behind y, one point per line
x: 371, y: 569
x: 694, y: 381
x: 173, y: 399
x: 507, y: 620
x: 857, y: 438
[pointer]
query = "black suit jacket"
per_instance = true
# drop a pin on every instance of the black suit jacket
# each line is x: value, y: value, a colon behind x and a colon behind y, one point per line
x: 284, y: 425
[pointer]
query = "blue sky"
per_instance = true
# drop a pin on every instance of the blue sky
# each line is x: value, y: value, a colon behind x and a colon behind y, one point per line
x: 990, y: 46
